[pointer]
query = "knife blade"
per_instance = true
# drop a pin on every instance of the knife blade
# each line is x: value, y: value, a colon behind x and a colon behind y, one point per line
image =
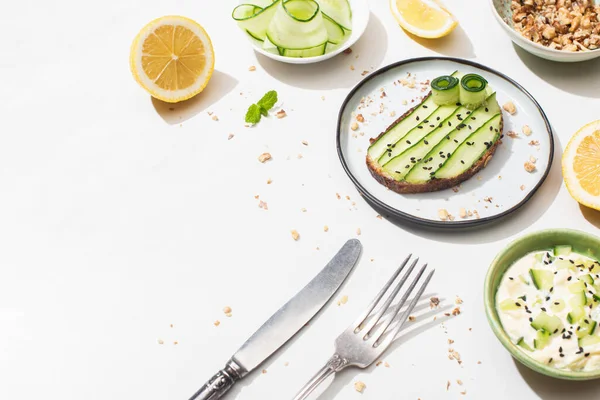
x: 284, y: 324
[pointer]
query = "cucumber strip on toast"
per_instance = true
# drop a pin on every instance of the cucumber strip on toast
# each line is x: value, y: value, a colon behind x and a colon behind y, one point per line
x: 257, y: 22
x: 297, y: 25
x: 339, y: 11
x: 414, y: 136
x: 472, y: 149
x: 402, y: 127
x: 401, y: 165
x: 423, y: 171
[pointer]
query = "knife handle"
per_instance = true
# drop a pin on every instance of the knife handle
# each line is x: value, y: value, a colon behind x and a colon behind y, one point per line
x: 220, y: 383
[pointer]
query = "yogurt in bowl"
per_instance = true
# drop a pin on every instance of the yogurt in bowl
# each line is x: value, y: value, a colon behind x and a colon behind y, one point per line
x: 549, y: 305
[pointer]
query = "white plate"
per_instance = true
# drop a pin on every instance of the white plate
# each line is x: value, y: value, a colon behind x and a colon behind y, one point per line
x: 504, y: 180
x: 360, y: 20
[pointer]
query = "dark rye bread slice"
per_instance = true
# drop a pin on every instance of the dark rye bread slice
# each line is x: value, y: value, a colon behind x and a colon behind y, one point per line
x: 433, y: 185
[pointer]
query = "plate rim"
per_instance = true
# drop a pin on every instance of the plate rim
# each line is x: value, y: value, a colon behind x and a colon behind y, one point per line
x: 423, y: 221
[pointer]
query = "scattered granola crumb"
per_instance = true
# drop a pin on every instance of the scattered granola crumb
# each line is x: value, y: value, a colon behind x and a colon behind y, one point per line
x: 488, y: 199
x: 454, y: 355
x: 510, y: 108
x: 354, y: 126
x: 304, y: 142
x: 281, y: 114
x: 263, y: 205
x: 458, y: 300
x: 378, y: 363
x: 285, y: 364
x: 529, y: 166
x: 303, y: 209
x: 264, y: 371
x: 478, y: 362
x: 175, y: 342
x: 251, y: 68
x: 343, y: 300
x: 470, y: 213
x: 269, y: 181
x: 447, y: 385
x: 359, y: 386
x: 476, y: 214
x: 378, y: 216
x: 434, y: 302
x: 534, y: 143
x: 338, y: 196
x: 412, y: 318
x: 404, y: 102
x: 360, y: 118
x: 459, y: 382
x: 385, y: 364
x: 455, y: 189
x: 326, y: 228
x: 526, y: 130
x: 257, y: 196
x: 463, y: 392
x: 351, y: 67
x: 230, y: 136
x: 392, y: 113
x: 300, y: 156
x: 347, y: 197
x: 358, y: 231
x: 264, y: 157
x: 512, y: 134
x: 217, y: 323
x: 348, y: 50
x: 160, y: 341
x: 443, y: 214
x: 522, y: 187
x: 462, y: 213
x: 227, y: 310
x: 450, y: 341
x: 532, y: 159
x: 215, y: 118
x: 456, y: 311
x: 295, y: 234
x: 323, y: 98
x: 364, y: 73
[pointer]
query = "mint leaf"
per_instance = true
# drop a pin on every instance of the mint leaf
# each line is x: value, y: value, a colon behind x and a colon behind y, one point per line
x: 264, y: 112
x: 253, y: 114
x: 268, y: 100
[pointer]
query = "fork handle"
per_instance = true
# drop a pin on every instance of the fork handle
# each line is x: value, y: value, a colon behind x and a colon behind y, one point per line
x: 334, y: 364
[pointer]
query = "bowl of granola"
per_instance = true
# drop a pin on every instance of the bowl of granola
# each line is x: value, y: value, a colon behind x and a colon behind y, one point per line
x: 557, y: 30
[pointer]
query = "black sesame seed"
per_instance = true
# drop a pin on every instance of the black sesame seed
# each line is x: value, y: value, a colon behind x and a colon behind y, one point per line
x: 408, y: 141
x: 530, y: 319
x: 560, y: 349
x: 455, y: 141
x: 420, y: 127
x: 569, y: 278
x: 561, y: 354
x: 438, y: 118
x: 486, y: 109
x: 556, y: 303
x: 424, y: 106
x: 418, y: 118
x: 511, y: 278
x: 587, y: 354
x: 462, y: 162
x: 543, y: 309
x: 425, y: 141
x: 449, y: 123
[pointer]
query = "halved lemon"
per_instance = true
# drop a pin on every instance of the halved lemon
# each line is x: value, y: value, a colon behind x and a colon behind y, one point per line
x: 581, y: 165
x: 172, y: 58
x: 423, y: 18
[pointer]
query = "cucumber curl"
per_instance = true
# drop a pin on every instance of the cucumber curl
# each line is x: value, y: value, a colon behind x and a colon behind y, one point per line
x: 472, y: 91
x: 445, y: 91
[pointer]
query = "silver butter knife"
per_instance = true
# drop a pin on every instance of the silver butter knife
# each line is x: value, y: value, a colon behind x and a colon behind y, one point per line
x: 284, y: 324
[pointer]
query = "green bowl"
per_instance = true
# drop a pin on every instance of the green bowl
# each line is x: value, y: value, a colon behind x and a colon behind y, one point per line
x: 581, y: 242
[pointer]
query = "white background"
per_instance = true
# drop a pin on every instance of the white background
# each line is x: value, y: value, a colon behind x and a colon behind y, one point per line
x: 119, y: 217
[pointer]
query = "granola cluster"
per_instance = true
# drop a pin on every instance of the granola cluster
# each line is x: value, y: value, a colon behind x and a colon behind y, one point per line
x: 569, y: 25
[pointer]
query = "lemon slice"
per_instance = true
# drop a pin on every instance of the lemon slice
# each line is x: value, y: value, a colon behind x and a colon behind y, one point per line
x: 581, y: 165
x: 172, y: 58
x: 423, y: 18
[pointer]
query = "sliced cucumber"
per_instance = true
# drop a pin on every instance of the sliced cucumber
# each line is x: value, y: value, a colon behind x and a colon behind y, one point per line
x: 578, y: 300
x: 542, y: 279
x: 587, y: 279
x: 521, y: 343
x: 398, y: 131
x: 509, y: 305
x: 588, y: 341
x: 575, y: 315
x: 270, y: 47
x: 335, y: 32
x: 576, y: 287
x: 421, y: 173
x: 539, y: 257
x: 562, y: 250
x: 557, y: 306
x: 472, y: 149
x: 596, y: 298
x: 445, y: 90
x: 255, y: 24
x: 586, y: 328
x: 542, y: 340
x: 303, y: 53
x: 564, y: 264
x: 339, y: 11
x: 297, y: 25
x: 419, y: 132
x: 546, y: 322
x: 472, y: 91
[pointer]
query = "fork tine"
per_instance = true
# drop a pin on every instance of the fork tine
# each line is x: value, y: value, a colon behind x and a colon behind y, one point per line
x: 396, y: 309
x: 392, y: 335
x: 357, y: 325
x: 381, y: 311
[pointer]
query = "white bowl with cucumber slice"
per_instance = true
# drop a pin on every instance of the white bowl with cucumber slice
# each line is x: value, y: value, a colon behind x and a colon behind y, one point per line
x: 542, y: 300
x: 302, y: 31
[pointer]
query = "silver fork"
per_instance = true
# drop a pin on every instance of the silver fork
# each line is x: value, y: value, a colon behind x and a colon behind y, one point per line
x: 366, y: 339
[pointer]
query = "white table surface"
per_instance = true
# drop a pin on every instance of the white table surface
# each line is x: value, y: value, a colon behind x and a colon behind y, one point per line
x: 119, y: 217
